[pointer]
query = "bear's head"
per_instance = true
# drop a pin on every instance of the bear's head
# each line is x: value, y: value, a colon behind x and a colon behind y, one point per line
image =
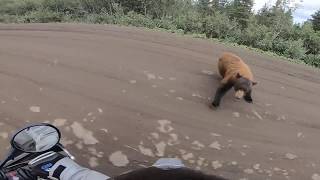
x: 243, y: 88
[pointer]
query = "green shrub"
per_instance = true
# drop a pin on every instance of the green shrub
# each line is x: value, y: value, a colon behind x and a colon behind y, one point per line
x: 140, y: 20
x: 266, y: 43
x: 189, y: 23
x: 313, y: 60
x: 42, y: 17
x: 99, y: 19
x: 253, y: 34
x: 312, y: 43
x: 219, y: 26
x: 165, y: 23
x: 18, y: 7
x: 280, y: 45
x: 8, y: 19
x: 295, y: 49
x: 132, y: 19
x: 234, y: 36
x: 91, y: 6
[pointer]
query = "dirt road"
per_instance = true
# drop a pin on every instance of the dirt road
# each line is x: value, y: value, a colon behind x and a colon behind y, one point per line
x: 123, y: 97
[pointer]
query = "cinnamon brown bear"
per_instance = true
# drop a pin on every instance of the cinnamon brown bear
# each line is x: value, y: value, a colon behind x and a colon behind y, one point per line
x: 236, y: 74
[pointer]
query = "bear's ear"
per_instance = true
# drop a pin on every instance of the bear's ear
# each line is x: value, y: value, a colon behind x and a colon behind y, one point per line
x: 238, y: 75
x: 254, y: 83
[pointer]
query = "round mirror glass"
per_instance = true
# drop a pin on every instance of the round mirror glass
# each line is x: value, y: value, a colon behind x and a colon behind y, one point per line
x: 36, y: 138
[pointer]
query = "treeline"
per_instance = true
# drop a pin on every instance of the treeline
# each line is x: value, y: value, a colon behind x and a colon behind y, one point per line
x: 271, y: 29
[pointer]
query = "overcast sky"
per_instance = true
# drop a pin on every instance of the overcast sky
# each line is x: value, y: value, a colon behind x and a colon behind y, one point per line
x: 303, y: 13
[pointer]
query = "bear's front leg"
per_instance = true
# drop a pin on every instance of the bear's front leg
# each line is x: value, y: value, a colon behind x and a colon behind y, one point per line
x: 221, y: 91
x: 248, y: 97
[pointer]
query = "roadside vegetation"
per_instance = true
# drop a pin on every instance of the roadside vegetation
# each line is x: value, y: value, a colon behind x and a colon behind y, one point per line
x: 270, y: 29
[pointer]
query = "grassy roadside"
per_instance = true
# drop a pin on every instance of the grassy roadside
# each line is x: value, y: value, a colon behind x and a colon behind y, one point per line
x: 227, y: 44
x: 197, y: 36
x: 271, y: 31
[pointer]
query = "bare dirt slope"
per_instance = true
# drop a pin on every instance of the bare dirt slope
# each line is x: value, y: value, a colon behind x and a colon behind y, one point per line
x: 145, y: 94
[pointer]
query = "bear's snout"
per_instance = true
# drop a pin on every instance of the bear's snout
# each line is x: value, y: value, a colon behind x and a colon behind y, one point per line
x: 239, y: 94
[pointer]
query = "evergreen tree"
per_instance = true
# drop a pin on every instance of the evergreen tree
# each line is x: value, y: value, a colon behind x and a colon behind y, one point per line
x: 316, y: 20
x: 240, y: 10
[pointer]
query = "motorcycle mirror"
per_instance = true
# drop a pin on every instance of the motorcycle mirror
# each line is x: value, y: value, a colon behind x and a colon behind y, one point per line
x: 36, y: 138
